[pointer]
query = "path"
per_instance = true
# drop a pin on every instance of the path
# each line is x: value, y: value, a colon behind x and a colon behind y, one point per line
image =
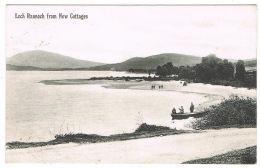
x: 168, y: 149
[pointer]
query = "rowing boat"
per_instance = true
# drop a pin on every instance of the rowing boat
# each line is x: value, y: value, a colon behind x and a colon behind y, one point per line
x: 180, y: 116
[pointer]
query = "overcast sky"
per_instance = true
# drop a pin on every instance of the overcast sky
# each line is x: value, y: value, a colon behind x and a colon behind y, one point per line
x: 116, y: 33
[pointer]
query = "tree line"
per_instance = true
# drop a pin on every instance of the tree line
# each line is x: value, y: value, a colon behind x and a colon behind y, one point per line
x: 211, y: 70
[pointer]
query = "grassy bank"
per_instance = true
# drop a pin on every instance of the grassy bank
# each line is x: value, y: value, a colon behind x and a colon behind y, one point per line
x: 243, y: 156
x: 233, y: 112
x: 143, y: 131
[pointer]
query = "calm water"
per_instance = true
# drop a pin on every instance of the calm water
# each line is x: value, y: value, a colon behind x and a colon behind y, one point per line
x: 36, y: 112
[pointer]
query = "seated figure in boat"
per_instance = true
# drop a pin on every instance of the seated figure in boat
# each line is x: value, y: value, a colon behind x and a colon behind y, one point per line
x: 191, y: 107
x: 181, y: 110
x: 173, y: 112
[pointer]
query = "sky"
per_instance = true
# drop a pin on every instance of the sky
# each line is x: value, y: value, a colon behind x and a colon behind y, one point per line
x: 114, y: 34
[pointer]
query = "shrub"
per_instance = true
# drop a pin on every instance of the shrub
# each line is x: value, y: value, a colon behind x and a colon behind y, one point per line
x: 236, y: 110
x: 150, y: 128
x: 242, y: 156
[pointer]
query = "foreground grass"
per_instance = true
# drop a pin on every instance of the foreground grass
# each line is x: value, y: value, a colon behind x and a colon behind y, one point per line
x: 143, y: 131
x: 243, y: 156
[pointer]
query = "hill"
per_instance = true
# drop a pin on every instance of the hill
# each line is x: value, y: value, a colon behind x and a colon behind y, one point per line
x: 10, y: 67
x: 151, y: 62
x: 38, y: 60
x: 22, y: 68
x: 251, y: 63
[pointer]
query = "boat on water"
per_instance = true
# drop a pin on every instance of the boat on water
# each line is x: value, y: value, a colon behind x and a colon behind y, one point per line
x: 180, y: 116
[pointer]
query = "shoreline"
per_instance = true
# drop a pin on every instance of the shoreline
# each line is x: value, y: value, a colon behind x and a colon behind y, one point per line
x: 135, y: 85
x: 144, y: 131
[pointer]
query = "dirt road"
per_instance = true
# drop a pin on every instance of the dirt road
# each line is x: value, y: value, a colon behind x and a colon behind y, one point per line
x: 168, y: 149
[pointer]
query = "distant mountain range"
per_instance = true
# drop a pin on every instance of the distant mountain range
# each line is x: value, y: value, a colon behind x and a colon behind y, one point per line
x: 32, y: 68
x: 41, y: 60
x: 46, y: 61
x: 151, y: 62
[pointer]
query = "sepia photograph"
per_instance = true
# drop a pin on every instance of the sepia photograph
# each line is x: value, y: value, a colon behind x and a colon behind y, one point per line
x: 131, y: 84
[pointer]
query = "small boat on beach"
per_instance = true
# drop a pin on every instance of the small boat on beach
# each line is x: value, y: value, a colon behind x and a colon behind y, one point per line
x: 180, y: 116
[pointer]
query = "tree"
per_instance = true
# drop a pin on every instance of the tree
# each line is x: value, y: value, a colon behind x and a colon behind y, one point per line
x: 209, y: 65
x: 220, y: 72
x: 158, y: 70
x: 166, y: 69
x: 161, y: 71
x: 211, y: 60
x: 228, y: 71
x: 199, y: 69
x: 224, y: 70
x: 169, y: 68
x: 187, y: 72
x: 175, y: 70
x: 240, y: 70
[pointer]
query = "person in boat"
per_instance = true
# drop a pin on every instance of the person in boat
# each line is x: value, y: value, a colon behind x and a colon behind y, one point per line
x: 181, y: 110
x: 191, y: 107
x: 173, y: 112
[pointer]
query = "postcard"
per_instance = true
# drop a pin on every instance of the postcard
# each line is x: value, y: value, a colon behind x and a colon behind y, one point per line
x: 131, y: 84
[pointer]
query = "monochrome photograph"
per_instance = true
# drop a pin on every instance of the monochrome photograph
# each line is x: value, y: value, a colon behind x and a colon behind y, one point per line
x: 131, y: 84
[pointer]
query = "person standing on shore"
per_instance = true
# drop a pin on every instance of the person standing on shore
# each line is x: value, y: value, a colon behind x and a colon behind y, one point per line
x: 191, y: 107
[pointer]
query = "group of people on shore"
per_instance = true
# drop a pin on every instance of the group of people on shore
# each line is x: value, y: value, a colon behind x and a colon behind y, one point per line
x: 160, y: 87
x: 182, y: 109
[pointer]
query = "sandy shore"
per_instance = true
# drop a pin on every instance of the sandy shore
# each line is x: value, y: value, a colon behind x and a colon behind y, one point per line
x: 168, y: 149
x: 214, y: 93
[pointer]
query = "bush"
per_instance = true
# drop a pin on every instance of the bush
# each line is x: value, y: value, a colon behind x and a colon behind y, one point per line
x: 235, y: 111
x: 150, y: 128
x: 242, y: 156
